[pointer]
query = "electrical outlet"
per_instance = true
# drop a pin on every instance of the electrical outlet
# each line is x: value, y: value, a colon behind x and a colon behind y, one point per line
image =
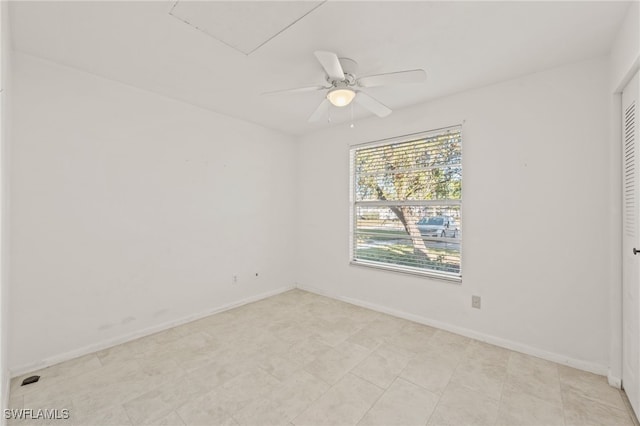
x: 234, y: 279
x: 475, y: 302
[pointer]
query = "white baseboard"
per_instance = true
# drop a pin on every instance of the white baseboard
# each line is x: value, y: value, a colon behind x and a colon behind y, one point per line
x: 591, y: 367
x: 498, y: 341
x: 26, y: 368
x: 614, y: 381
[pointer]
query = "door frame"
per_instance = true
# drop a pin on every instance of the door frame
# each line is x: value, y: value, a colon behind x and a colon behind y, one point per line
x: 614, y: 374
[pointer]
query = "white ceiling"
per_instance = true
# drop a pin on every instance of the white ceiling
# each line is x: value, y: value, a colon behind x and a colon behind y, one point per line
x: 461, y: 45
x: 244, y: 25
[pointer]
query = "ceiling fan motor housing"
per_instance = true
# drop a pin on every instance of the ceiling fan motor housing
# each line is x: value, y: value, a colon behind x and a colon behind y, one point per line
x: 349, y: 67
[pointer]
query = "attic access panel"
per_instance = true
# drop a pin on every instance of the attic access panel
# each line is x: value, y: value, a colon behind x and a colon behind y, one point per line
x: 243, y: 25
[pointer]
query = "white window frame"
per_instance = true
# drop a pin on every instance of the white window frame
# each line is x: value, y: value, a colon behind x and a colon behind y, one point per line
x: 451, y: 277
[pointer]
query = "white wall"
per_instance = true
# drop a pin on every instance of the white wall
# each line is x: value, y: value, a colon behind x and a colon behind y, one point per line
x: 5, y: 118
x: 625, y: 52
x: 536, y: 182
x: 131, y: 210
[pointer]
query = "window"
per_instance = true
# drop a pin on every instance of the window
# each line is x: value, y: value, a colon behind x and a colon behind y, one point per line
x: 406, y: 197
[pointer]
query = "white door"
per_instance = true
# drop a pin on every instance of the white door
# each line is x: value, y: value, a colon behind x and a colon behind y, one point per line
x: 631, y: 244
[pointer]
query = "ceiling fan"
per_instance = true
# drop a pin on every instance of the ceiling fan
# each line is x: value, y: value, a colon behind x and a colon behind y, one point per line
x: 344, y: 87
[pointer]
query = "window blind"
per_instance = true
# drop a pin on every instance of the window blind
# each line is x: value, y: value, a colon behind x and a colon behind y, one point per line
x: 406, y: 204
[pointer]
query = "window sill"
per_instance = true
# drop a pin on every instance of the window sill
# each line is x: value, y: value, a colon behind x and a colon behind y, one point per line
x: 457, y: 279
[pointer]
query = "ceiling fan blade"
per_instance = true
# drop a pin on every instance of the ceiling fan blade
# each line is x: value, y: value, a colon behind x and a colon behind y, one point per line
x: 320, y: 111
x: 331, y: 64
x: 297, y: 90
x: 372, y: 104
x: 400, y: 77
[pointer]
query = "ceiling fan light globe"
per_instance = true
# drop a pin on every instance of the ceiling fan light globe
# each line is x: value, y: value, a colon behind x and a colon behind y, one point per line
x: 341, y: 97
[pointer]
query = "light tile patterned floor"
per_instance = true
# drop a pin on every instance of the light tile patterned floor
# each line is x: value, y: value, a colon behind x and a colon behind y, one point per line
x: 302, y: 359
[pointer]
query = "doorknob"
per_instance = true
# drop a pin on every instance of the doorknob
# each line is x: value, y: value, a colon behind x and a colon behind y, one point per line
x: 635, y: 251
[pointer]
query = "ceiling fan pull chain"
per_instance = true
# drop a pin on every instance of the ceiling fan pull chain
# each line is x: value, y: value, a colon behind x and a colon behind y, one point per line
x: 351, y: 125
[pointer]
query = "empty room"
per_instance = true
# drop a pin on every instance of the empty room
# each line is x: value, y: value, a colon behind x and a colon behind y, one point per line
x: 320, y: 213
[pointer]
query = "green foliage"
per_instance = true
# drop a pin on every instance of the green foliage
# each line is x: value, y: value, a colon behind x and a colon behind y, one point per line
x: 426, y: 169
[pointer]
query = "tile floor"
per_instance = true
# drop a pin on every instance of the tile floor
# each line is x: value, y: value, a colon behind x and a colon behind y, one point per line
x: 302, y: 359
